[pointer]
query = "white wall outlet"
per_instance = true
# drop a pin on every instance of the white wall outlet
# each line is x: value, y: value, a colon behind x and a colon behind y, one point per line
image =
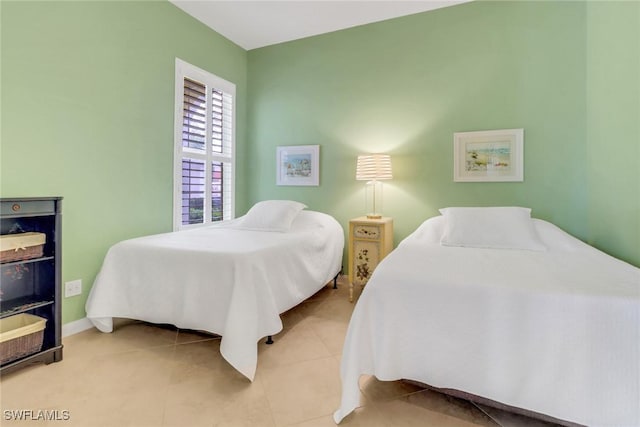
x: 72, y: 288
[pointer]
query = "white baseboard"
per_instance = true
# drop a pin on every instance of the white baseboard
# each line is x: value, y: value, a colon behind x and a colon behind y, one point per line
x: 76, y: 326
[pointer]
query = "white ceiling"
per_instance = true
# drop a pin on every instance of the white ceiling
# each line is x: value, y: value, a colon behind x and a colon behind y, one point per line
x: 256, y: 23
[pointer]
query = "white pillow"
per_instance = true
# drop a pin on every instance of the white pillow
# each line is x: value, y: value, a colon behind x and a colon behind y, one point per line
x: 491, y: 227
x: 271, y: 215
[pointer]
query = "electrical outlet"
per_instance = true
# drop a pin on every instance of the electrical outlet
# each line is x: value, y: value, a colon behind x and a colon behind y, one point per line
x: 72, y: 288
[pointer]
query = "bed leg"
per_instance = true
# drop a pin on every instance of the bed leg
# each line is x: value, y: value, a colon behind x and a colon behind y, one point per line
x: 269, y: 340
x: 335, y: 279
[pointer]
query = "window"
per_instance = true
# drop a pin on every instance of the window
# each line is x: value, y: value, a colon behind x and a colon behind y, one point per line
x: 204, y: 158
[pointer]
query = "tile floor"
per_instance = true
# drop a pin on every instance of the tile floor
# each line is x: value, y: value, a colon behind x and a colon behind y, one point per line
x: 145, y: 375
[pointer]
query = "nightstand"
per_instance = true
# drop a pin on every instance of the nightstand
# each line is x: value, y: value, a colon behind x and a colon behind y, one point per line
x: 370, y: 240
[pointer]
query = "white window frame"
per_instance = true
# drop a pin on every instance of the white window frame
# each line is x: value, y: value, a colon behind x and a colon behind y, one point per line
x: 184, y: 69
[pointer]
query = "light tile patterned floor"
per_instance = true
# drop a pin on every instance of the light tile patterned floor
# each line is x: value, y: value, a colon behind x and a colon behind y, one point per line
x: 145, y: 375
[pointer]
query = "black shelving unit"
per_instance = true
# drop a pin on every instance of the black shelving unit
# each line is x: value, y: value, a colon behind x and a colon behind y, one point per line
x: 33, y: 285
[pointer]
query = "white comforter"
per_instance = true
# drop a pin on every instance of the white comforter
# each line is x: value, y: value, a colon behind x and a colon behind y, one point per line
x: 555, y: 332
x: 219, y: 279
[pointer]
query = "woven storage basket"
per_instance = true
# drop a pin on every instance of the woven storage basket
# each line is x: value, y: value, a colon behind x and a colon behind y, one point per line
x: 20, y: 336
x: 21, y: 246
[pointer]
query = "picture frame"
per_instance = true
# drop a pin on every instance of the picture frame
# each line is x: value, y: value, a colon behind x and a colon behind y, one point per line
x: 488, y: 156
x: 298, y: 165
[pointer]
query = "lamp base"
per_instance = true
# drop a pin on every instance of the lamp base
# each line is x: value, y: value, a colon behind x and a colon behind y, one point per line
x: 373, y: 200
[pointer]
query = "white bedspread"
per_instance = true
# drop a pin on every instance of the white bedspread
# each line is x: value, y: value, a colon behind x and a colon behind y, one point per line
x: 219, y: 279
x: 555, y: 332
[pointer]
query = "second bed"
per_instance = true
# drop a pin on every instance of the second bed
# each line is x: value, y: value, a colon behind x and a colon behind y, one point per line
x: 231, y: 279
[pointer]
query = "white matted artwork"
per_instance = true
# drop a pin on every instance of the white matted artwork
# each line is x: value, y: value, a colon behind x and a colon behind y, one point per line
x: 298, y: 165
x: 486, y: 156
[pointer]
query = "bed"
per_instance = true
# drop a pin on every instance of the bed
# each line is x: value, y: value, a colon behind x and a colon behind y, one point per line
x: 493, y: 304
x: 232, y: 279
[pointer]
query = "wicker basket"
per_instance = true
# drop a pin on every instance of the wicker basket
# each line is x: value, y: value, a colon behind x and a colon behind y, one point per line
x: 20, y: 336
x: 21, y: 246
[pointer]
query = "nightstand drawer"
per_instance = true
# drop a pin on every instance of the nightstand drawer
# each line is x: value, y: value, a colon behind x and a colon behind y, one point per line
x: 371, y: 232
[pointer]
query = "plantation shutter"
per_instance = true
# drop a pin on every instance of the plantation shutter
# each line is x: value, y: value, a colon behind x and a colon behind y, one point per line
x: 194, y: 116
x: 204, y: 158
x: 206, y: 142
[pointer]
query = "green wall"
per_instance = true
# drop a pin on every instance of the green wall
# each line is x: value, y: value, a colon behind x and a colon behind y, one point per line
x: 87, y: 108
x: 613, y: 127
x: 404, y: 86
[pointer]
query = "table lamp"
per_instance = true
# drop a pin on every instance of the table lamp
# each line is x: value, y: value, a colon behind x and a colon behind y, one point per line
x: 373, y: 168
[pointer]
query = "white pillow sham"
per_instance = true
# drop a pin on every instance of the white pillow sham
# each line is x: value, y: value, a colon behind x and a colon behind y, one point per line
x: 490, y: 227
x: 271, y: 215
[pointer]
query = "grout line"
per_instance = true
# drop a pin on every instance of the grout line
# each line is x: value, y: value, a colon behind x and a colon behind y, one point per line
x: 486, y: 413
x: 258, y: 380
x: 166, y: 390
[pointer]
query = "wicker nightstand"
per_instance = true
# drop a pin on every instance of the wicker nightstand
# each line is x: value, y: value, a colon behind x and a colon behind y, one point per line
x: 370, y: 240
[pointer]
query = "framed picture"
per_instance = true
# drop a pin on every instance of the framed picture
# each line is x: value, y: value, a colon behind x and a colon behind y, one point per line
x: 298, y: 165
x: 488, y: 156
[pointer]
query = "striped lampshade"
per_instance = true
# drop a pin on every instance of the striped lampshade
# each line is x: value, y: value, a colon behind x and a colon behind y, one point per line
x: 373, y: 167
